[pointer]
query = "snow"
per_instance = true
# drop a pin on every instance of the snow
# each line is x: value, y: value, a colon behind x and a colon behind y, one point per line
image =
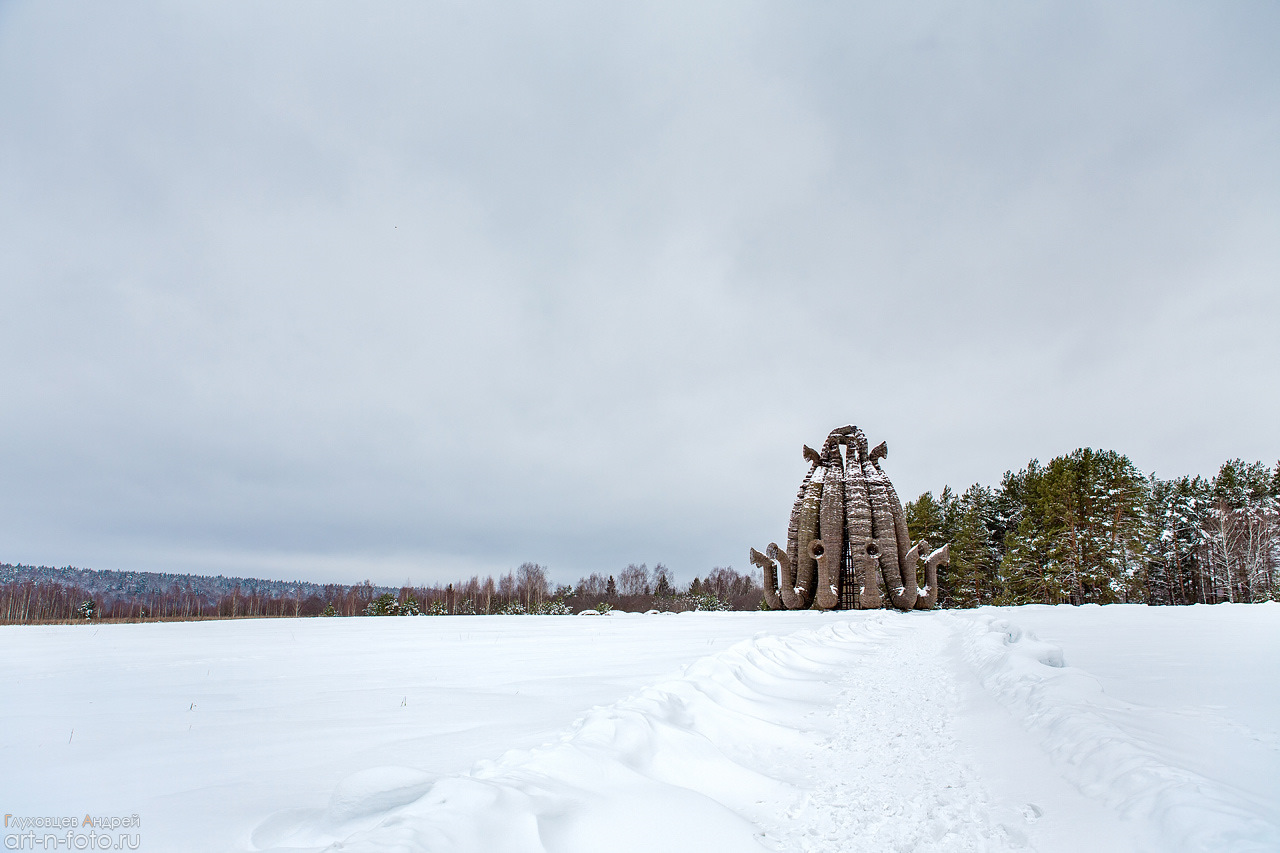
x: 1121, y: 728
x: 1169, y: 715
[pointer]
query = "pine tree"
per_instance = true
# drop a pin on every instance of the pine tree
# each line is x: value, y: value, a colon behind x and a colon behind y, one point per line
x: 1178, y: 545
x: 975, y: 557
x: 1245, y: 532
x: 1081, y: 530
x: 662, y: 586
x: 924, y: 518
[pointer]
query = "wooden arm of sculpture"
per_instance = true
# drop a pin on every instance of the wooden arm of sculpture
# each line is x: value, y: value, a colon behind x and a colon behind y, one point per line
x: 770, y: 569
x: 786, y: 577
x: 928, y: 598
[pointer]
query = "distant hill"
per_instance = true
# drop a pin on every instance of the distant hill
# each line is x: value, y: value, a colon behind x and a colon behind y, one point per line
x: 124, y: 586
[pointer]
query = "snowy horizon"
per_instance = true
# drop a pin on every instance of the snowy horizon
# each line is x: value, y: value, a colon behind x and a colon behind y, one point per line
x: 420, y: 291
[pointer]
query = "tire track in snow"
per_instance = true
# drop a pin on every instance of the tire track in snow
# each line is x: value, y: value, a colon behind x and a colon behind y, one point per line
x: 1098, y: 745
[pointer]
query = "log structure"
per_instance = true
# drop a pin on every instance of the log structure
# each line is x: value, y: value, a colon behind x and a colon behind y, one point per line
x: 847, y: 541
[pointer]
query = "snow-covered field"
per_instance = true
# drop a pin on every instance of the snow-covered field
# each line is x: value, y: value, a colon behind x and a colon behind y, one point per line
x: 1038, y: 728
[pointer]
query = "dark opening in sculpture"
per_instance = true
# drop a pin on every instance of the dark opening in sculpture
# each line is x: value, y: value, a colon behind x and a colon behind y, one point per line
x: 847, y: 543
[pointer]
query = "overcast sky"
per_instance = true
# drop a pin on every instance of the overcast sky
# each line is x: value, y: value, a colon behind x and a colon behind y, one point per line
x: 414, y: 290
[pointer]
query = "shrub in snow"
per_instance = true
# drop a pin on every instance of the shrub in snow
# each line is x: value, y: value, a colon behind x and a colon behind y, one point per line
x: 86, y: 610
x: 689, y: 601
x: 387, y: 605
x: 589, y: 612
x: 379, y: 606
x: 554, y: 607
x: 705, y: 601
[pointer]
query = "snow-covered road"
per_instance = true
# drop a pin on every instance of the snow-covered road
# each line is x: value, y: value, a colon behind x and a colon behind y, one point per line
x: 1118, y: 729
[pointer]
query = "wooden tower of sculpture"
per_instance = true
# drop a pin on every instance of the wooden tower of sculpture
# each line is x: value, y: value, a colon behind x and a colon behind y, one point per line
x: 847, y: 543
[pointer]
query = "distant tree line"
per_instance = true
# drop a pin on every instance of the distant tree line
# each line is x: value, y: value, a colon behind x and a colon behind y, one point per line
x: 40, y: 594
x: 529, y: 589
x: 32, y: 600
x: 46, y: 593
x: 1089, y: 527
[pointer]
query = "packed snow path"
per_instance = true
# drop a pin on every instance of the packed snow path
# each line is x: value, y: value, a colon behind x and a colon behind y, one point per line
x: 1124, y: 729
x: 888, y: 773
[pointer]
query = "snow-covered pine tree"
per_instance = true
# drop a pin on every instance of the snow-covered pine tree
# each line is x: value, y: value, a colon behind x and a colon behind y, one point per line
x: 1178, y: 543
x: 1245, y: 530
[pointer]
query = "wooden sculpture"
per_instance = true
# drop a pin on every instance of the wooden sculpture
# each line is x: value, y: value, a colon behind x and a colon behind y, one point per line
x: 847, y: 543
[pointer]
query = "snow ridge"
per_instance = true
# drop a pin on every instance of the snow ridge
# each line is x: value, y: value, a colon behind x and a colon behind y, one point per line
x: 1094, y: 737
x: 828, y: 739
x: 667, y: 768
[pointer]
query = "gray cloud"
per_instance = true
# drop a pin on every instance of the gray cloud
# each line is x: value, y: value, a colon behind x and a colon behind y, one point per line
x: 410, y: 290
